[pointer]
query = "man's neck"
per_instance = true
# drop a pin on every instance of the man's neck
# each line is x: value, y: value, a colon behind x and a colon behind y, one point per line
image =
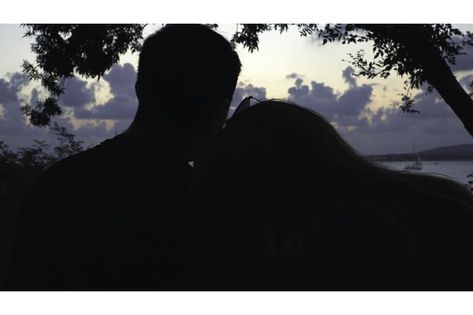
x: 184, y: 144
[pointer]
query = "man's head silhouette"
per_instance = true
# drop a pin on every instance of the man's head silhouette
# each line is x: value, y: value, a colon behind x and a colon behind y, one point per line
x: 186, y: 78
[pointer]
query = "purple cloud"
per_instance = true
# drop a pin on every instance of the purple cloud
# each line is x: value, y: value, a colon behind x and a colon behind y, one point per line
x: 76, y: 93
x: 464, y: 62
x: 343, y: 109
x: 243, y: 91
x: 122, y: 79
x: 16, y: 132
x: 123, y: 104
x: 348, y: 76
x: 293, y: 76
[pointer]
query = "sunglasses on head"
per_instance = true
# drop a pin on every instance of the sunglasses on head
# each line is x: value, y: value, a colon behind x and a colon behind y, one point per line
x: 244, y: 104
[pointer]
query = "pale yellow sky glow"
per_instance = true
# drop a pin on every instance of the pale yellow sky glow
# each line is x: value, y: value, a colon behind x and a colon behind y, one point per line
x: 278, y: 56
x: 286, y: 53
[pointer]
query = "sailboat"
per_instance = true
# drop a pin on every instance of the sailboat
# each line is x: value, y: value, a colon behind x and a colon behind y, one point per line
x: 417, y: 165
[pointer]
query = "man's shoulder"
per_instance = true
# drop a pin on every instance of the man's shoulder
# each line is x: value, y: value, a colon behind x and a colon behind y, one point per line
x: 71, y: 169
x: 78, y: 161
x: 118, y: 154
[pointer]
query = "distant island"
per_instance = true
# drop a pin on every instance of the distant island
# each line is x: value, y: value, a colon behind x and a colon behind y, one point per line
x: 462, y: 152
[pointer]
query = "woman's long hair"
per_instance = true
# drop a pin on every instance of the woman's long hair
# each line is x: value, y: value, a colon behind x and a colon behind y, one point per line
x: 281, y: 201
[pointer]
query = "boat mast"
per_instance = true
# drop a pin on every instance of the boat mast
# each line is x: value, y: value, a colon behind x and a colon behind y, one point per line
x: 419, y: 162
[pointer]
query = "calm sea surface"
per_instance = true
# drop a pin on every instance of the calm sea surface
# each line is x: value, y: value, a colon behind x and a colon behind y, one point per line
x: 457, y: 170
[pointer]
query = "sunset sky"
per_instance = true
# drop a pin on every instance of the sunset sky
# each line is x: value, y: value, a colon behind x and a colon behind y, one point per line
x: 287, y: 66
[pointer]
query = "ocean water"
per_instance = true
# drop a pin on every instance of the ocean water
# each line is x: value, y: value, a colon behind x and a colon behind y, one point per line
x: 456, y: 170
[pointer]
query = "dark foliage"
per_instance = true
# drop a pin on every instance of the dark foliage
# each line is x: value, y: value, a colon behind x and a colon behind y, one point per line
x: 63, y: 50
x: 393, y: 46
x: 18, y: 171
x: 421, y: 53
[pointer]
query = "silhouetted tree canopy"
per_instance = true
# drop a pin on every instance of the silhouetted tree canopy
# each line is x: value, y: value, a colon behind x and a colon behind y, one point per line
x: 19, y: 169
x: 422, y: 53
x: 63, y: 50
x: 41, y: 154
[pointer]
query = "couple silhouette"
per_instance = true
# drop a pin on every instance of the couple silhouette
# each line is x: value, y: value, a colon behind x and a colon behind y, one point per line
x: 276, y: 199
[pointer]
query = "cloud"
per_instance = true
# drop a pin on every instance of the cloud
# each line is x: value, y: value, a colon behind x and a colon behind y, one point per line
x: 122, y: 79
x: 9, y: 88
x: 387, y: 129
x: 123, y: 104
x: 119, y: 107
x: 343, y: 109
x: 14, y: 130
x: 76, y: 93
x: 354, y: 100
x: 348, y: 76
x: 92, y: 133
x: 17, y: 132
x: 467, y: 83
x: 13, y: 122
x: 392, y: 130
x: 382, y: 130
x: 121, y: 125
x: 293, y: 76
x: 318, y: 97
x: 244, y: 90
x: 464, y: 62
